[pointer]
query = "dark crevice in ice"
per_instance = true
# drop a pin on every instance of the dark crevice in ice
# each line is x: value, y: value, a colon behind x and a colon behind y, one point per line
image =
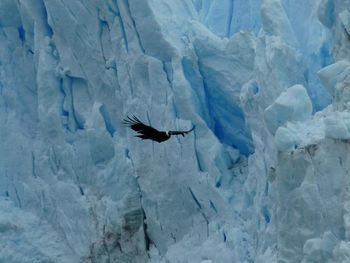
x: 213, y: 206
x: 21, y: 33
x: 195, y: 198
x: 122, y: 27
x: 135, y: 27
x: 229, y: 19
x: 33, y: 166
x: 48, y: 27
x: 107, y: 119
x: 200, y: 168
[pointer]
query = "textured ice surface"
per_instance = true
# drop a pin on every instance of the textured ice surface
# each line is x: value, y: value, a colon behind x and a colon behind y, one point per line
x: 264, y: 176
x: 292, y: 105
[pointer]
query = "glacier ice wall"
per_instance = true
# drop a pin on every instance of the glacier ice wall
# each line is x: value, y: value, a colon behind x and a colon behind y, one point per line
x: 263, y: 178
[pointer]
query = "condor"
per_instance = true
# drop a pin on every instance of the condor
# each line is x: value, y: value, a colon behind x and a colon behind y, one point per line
x: 148, y: 132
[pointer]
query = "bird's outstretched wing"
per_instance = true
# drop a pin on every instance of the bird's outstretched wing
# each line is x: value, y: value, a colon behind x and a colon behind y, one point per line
x: 180, y: 132
x: 135, y: 124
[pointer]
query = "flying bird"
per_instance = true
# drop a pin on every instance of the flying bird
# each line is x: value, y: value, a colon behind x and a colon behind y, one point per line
x: 148, y: 132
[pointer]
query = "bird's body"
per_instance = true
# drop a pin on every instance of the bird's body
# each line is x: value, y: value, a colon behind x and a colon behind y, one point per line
x: 148, y: 132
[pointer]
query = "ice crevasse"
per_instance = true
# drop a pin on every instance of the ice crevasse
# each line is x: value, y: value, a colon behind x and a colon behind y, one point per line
x: 263, y: 178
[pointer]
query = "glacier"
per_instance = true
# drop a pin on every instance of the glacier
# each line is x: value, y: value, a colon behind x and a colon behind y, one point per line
x: 264, y: 176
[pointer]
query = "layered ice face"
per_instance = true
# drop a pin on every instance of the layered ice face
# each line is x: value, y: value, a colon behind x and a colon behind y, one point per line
x: 262, y: 178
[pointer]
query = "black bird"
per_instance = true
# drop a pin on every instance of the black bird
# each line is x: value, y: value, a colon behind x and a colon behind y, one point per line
x: 148, y: 132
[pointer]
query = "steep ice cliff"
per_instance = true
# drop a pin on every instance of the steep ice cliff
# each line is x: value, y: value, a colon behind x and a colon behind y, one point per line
x: 264, y: 176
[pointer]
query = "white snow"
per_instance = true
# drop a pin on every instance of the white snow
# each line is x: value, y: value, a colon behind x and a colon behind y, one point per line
x: 292, y: 105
